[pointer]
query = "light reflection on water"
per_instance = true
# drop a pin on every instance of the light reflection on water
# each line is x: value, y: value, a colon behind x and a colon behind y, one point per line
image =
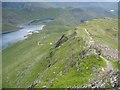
x: 13, y: 37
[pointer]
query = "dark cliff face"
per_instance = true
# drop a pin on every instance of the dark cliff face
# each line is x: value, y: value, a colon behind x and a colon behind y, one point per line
x: 63, y: 39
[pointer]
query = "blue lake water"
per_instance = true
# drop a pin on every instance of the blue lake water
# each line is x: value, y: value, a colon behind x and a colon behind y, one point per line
x: 13, y: 37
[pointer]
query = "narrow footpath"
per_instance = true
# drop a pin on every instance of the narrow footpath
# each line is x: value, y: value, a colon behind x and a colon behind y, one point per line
x: 109, y: 65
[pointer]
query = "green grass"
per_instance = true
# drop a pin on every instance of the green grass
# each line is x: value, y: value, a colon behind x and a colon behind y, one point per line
x: 115, y: 65
x: 99, y: 31
x: 26, y: 61
x: 27, y: 52
x: 71, y: 78
x: 60, y: 63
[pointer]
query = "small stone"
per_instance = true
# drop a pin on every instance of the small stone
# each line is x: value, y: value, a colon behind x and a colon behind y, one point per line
x: 54, y: 72
x: 44, y: 86
x: 60, y: 73
x: 50, y: 43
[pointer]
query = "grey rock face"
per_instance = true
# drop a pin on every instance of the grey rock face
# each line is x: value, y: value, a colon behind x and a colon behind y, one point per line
x: 110, y: 78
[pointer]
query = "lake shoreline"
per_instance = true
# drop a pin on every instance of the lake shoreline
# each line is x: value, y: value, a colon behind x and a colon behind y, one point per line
x: 31, y: 22
x: 21, y: 34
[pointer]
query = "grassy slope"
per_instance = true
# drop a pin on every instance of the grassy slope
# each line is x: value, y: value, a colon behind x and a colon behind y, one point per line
x: 61, y: 63
x: 27, y: 66
x: 28, y: 63
x: 30, y: 51
x: 108, y: 33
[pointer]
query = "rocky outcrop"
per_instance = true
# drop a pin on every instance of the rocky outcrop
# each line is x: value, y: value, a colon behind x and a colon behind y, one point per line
x: 108, y: 80
x: 34, y: 84
x: 106, y: 51
x: 63, y: 39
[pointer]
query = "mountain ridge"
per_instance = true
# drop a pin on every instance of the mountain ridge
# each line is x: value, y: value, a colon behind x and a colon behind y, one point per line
x: 57, y: 61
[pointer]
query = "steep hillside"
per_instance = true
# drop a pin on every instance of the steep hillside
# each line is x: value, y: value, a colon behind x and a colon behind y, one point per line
x: 56, y: 57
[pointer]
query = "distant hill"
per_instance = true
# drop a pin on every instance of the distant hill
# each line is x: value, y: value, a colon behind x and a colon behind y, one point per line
x: 105, y: 5
x: 16, y: 13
